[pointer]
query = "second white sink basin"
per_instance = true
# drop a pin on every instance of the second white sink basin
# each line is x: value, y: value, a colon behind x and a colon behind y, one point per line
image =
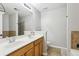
x: 14, y: 44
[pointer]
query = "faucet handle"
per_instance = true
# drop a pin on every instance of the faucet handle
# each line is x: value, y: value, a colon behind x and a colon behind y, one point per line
x: 32, y: 32
x: 1, y: 34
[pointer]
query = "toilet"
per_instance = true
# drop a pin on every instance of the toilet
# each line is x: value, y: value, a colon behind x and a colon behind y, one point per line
x: 62, y: 49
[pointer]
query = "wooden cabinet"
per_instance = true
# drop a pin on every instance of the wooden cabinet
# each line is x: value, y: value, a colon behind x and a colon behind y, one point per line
x: 32, y: 49
x: 30, y: 52
x: 22, y: 50
x: 39, y: 47
x: 37, y: 50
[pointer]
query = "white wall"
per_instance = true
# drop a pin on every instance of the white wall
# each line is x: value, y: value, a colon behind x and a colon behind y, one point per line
x: 13, y: 22
x: 37, y: 19
x: 54, y: 22
x: 16, y: 21
x: 73, y: 20
x: 1, y: 13
x: 28, y: 23
x: 33, y: 21
x: 5, y: 22
x: 0, y: 23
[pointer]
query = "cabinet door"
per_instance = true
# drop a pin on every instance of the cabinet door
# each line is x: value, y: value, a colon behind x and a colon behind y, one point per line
x: 29, y: 53
x: 41, y: 48
x: 37, y: 50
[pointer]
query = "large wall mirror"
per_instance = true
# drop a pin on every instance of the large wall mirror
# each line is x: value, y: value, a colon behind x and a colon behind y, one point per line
x: 11, y: 19
x: 16, y: 19
x: 10, y: 24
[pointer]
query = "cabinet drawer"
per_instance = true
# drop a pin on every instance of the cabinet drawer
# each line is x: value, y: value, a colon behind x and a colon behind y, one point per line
x: 38, y: 40
x: 22, y: 50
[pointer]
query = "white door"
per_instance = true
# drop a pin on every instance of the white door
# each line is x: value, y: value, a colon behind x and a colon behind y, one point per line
x: 1, y: 24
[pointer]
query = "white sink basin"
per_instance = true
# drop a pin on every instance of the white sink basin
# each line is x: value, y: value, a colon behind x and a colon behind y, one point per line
x: 11, y: 45
x: 14, y: 44
x: 6, y: 47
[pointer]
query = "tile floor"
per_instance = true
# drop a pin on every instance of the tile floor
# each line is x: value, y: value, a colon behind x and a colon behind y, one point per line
x: 54, y: 51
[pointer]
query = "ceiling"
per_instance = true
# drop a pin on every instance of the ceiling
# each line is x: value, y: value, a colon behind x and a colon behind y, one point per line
x: 20, y: 8
x: 23, y: 11
x: 48, y: 6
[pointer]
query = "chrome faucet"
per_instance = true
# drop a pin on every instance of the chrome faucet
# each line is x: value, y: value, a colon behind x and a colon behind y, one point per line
x: 32, y: 33
x: 11, y: 39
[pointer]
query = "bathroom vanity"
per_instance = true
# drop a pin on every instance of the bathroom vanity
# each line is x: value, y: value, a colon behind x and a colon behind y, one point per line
x: 34, y: 48
x: 23, y: 46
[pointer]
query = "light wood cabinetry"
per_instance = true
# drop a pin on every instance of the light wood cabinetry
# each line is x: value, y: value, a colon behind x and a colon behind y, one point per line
x: 30, y: 52
x: 37, y: 50
x: 32, y: 49
x: 39, y: 47
x: 74, y: 39
x: 9, y: 33
x: 22, y: 50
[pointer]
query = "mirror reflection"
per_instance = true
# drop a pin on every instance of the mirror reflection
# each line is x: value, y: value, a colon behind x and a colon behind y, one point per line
x: 12, y: 19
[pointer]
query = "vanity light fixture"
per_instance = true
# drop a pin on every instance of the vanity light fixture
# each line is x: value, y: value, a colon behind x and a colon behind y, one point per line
x: 2, y: 7
x: 27, y: 6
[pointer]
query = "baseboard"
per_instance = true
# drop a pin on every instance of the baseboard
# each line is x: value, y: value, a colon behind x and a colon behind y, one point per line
x: 45, y: 54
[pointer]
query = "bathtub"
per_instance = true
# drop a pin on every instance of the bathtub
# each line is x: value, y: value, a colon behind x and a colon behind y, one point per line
x: 74, y: 52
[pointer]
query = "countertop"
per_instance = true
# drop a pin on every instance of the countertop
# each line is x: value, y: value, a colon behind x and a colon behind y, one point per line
x: 20, y: 41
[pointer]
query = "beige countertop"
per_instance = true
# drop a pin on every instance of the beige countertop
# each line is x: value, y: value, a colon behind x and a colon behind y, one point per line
x: 20, y: 41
